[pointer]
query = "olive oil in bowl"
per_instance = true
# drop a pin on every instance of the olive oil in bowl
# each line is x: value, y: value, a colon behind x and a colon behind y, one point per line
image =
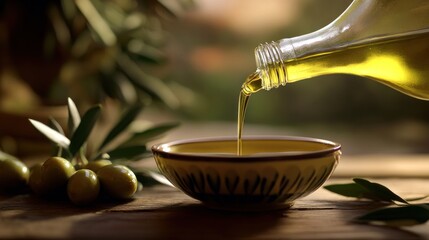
x: 272, y: 172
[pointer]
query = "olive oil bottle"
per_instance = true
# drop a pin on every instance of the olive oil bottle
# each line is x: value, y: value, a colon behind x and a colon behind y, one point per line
x: 400, y: 61
x: 383, y: 40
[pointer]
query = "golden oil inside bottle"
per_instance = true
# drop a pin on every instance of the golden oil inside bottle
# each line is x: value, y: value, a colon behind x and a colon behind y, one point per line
x: 401, y: 62
x: 398, y: 61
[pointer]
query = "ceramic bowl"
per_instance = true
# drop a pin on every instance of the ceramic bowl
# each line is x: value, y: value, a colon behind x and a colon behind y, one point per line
x: 271, y: 173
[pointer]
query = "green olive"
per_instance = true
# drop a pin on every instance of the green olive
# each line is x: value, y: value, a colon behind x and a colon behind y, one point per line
x: 14, y: 175
x: 83, y: 187
x: 35, y: 180
x: 118, y: 181
x: 97, y: 164
x: 55, y: 172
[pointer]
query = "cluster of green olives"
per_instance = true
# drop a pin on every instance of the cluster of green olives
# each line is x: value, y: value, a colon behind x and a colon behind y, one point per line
x: 57, y: 176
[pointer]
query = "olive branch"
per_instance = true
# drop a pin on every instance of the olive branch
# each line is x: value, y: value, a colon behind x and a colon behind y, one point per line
x: 399, y: 212
x: 73, y: 144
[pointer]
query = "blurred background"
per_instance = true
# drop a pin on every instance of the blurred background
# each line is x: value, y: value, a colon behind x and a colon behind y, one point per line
x: 186, y: 60
x: 215, y: 43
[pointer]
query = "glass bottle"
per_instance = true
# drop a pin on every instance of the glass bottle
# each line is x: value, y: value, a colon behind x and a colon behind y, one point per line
x: 384, y: 40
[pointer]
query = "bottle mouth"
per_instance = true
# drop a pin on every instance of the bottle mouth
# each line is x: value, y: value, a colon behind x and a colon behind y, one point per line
x: 270, y: 65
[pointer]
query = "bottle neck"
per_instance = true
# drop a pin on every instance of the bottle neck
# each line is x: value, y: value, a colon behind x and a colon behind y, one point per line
x: 269, y: 62
x: 272, y: 58
x: 363, y: 21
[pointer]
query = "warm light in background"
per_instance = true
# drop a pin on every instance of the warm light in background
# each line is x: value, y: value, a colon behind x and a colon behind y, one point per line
x: 249, y: 17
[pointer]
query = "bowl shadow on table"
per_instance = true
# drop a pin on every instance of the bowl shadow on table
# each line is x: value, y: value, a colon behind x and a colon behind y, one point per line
x: 195, y: 221
x: 33, y: 208
x: 179, y: 221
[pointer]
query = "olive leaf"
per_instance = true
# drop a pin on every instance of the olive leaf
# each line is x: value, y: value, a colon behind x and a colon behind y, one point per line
x: 128, y: 117
x: 407, y: 215
x: 69, y: 8
x: 350, y: 190
x: 75, y: 148
x: 362, y: 188
x: 149, y: 134
x: 127, y: 152
x: 50, y: 133
x: 56, y: 125
x: 85, y: 127
x: 404, y: 215
x: 98, y: 24
x: 379, y: 191
x: 4, y: 156
x: 73, y: 116
x: 147, y: 83
x: 116, y: 85
x: 147, y: 53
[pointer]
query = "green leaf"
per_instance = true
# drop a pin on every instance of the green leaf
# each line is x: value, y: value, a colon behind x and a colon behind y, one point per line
x: 4, y: 156
x: 144, y: 52
x: 50, y: 133
x: 128, y: 153
x: 127, y: 118
x: 398, y: 216
x: 98, y: 24
x: 117, y: 86
x: 84, y: 129
x: 69, y: 9
x: 56, y: 125
x: 380, y: 191
x: 143, y: 81
x: 73, y: 116
x: 416, y: 198
x: 362, y: 188
x: 149, y: 134
x: 349, y: 190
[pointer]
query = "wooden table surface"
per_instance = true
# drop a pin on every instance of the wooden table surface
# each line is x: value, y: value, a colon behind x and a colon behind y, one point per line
x: 162, y: 212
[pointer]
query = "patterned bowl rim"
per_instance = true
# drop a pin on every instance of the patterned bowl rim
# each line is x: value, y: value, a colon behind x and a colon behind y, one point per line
x: 331, y: 147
